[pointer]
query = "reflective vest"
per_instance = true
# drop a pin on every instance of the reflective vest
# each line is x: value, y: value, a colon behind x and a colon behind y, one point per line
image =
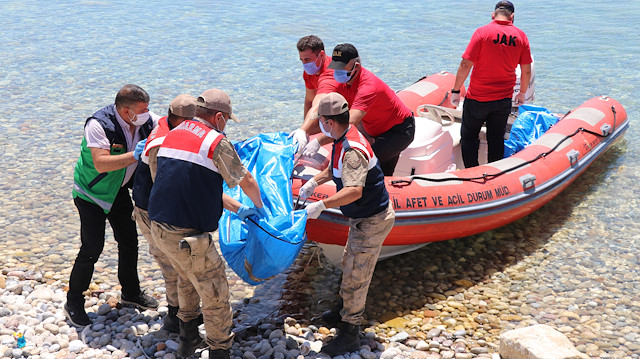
x: 102, y: 188
x: 142, y: 181
x: 187, y: 191
x: 375, y: 198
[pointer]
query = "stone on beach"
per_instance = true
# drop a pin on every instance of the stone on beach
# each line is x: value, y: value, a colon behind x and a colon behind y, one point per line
x: 537, y: 342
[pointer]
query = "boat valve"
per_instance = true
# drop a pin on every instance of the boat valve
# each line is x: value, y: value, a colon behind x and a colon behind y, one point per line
x: 528, y: 181
x: 606, y: 129
x: 573, y: 156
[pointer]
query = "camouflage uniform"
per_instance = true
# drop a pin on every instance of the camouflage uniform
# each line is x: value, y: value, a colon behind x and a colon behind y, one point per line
x: 366, y: 236
x: 202, y: 264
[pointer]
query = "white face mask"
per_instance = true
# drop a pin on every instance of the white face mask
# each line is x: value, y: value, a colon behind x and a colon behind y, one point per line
x: 325, y: 132
x: 140, y: 119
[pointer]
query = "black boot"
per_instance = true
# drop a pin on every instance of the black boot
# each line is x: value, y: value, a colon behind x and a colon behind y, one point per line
x: 347, y: 341
x: 171, y: 323
x: 190, y: 338
x: 332, y: 316
x: 219, y: 354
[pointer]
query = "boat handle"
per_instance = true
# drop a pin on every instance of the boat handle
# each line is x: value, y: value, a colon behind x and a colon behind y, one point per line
x: 528, y: 181
x: 573, y: 156
x: 606, y: 129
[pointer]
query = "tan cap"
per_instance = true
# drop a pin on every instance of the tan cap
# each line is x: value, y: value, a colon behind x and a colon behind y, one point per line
x: 183, y: 105
x: 332, y: 104
x: 218, y: 100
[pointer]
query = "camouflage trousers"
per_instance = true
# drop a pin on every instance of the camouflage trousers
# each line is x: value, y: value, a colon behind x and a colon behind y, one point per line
x: 206, y: 272
x: 366, y: 236
x: 171, y: 277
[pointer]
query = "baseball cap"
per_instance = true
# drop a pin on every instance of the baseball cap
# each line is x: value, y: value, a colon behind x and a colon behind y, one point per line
x: 332, y: 104
x: 218, y: 100
x: 342, y: 54
x: 506, y: 5
x: 183, y: 105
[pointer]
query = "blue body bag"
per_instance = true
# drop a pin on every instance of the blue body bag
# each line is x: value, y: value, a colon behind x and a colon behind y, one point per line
x: 532, y: 122
x: 258, y: 250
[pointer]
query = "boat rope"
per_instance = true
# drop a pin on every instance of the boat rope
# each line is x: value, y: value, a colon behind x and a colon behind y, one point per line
x: 488, y: 176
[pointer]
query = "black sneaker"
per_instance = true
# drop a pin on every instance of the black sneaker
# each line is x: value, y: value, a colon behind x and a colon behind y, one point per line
x: 76, y: 315
x: 142, y: 301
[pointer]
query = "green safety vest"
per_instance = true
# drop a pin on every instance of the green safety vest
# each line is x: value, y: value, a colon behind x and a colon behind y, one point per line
x: 91, y: 185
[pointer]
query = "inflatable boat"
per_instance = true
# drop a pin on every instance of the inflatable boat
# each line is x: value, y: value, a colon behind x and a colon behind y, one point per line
x: 436, y: 198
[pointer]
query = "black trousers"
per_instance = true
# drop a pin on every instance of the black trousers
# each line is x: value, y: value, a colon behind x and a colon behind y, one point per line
x: 388, y: 145
x: 474, y: 115
x: 92, y: 230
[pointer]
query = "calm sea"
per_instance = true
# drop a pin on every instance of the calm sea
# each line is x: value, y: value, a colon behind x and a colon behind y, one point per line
x: 62, y: 60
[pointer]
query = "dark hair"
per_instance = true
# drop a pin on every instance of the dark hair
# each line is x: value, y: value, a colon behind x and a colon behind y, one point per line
x: 171, y: 116
x: 310, y: 42
x: 503, y: 12
x: 342, y: 118
x: 131, y: 95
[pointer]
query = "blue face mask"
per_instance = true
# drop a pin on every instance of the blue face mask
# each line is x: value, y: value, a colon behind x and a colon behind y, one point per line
x: 343, y: 76
x: 311, y: 68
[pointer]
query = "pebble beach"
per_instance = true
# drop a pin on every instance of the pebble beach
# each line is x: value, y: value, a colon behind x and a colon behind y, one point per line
x: 573, y: 264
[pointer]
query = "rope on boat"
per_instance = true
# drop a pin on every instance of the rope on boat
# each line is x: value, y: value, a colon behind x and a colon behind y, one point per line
x: 488, y: 176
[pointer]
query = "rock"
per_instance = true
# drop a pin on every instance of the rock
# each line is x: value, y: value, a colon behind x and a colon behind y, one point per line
x: 537, y: 341
x: 400, y: 337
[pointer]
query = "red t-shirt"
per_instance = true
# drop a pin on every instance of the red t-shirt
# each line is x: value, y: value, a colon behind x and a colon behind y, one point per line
x: 311, y: 81
x: 496, y: 49
x: 371, y: 95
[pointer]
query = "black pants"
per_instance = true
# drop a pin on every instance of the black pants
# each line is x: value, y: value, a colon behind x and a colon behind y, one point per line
x: 92, y: 230
x: 474, y: 115
x: 388, y: 145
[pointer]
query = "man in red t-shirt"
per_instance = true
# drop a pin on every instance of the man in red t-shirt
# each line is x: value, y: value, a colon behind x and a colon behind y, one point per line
x: 315, y: 62
x: 374, y: 108
x: 494, y: 52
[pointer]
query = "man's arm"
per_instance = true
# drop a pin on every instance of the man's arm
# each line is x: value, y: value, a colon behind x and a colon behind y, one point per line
x: 525, y: 77
x: 251, y: 189
x: 310, y: 123
x: 104, y: 161
x: 463, y: 72
x: 309, y: 95
x: 229, y: 203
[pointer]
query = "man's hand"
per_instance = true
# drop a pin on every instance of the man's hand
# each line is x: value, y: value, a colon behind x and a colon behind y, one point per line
x: 244, y: 212
x: 139, y: 148
x: 314, y: 209
x: 455, y: 99
x: 300, y: 137
x: 520, y: 98
x: 311, y: 148
x: 307, y: 189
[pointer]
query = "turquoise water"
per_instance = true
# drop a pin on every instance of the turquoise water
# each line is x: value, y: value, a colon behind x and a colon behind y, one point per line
x: 60, y: 61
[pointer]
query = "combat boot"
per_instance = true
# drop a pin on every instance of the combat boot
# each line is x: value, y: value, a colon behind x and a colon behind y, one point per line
x: 332, y: 316
x: 347, y: 341
x: 171, y: 323
x: 219, y: 354
x: 190, y: 338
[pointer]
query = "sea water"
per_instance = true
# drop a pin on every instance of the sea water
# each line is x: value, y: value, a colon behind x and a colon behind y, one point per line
x: 62, y: 60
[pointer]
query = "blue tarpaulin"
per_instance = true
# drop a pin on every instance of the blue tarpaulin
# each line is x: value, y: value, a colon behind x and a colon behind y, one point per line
x: 532, y: 123
x: 258, y: 251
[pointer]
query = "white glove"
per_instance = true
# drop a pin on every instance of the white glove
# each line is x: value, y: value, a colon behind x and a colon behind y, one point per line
x: 299, y: 137
x: 311, y: 148
x: 307, y: 189
x: 314, y: 209
x: 455, y: 99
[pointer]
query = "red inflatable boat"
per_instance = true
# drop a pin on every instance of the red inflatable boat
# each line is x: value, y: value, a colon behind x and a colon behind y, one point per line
x: 436, y: 198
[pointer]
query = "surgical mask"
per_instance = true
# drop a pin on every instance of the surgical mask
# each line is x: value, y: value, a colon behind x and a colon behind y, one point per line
x: 140, y: 119
x: 325, y: 132
x: 311, y: 68
x: 342, y: 76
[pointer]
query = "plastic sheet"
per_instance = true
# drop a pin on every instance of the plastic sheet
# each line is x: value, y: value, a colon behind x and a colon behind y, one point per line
x: 256, y: 251
x: 532, y: 123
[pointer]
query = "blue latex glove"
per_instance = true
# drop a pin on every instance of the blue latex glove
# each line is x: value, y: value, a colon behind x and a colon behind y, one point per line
x: 139, y: 148
x: 262, y: 212
x: 244, y: 212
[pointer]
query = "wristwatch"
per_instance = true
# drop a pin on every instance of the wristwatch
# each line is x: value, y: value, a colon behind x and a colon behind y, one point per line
x: 454, y: 91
